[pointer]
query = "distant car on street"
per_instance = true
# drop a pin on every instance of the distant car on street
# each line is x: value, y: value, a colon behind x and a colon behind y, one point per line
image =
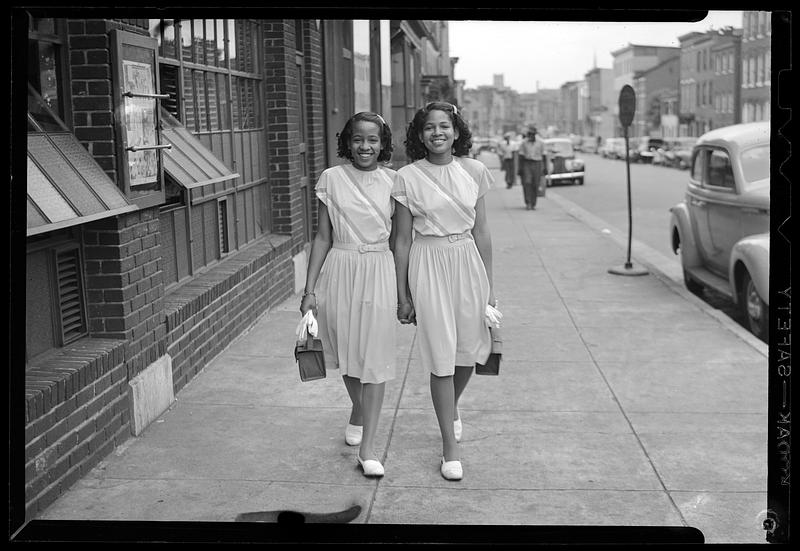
x: 721, y: 228
x: 680, y: 153
x: 481, y: 144
x: 646, y: 148
x: 562, y: 164
x: 613, y: 148
x: 588, y: 144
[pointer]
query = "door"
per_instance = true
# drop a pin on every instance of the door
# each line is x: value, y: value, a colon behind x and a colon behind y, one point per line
x: 723, y: 209
x: 697, y: 202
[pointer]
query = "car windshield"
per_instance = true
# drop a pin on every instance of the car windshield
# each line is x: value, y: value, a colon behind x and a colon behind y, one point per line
x: 561, y: 149
x: 755, y: 163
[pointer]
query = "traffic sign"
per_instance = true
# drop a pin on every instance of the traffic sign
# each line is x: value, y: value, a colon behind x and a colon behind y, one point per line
x: 627, y: 105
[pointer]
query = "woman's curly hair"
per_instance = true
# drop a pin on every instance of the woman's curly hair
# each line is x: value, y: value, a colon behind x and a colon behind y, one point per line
x: 346, y: 134
x: 416, y: 150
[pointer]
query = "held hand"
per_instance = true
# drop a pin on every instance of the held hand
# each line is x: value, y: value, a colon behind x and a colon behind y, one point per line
x: 309, y: 302
x: 405, y: 313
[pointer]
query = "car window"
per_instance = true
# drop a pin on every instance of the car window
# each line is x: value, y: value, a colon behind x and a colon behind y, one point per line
x: 720, y: 173
x: 755, y: 163
x: 698, y: 165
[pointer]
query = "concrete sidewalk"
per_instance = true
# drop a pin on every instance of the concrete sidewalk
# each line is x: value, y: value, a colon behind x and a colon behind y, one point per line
x: 620, y: 401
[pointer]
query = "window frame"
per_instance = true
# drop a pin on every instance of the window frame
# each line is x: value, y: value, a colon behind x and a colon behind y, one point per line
x: 708, y: 182
x: 60, y: 40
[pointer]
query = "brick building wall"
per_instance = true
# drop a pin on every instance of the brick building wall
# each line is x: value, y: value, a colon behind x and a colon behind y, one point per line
x: 78, y: 399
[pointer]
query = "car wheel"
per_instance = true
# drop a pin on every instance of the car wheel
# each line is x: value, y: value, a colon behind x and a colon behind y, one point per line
x: 579, y: 181
x: 693, y: 285
x: 754, y: 309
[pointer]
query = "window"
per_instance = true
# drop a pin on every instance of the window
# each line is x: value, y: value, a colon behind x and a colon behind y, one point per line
x: 212, y: 72
x: 46, y: 72
x: 720, y: 173
x: 698, y: 165
x: 755, y: 163
x: 768, y: 67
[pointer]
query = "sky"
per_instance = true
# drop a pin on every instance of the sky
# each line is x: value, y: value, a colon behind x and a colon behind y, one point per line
x: 553, y: 52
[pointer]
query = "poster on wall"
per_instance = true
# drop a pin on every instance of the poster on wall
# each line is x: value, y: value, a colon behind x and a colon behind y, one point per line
x: 140, y: 123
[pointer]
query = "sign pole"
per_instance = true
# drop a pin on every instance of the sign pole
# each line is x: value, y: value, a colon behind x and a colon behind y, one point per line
x: 627, y: 107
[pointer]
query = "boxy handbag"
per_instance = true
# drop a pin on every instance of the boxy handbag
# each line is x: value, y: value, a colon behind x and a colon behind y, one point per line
x: 492, y: 365
x: 308, y: 350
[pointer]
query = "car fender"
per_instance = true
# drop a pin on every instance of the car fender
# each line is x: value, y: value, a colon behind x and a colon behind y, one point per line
x: 752, y: 253
x: 682, y: 222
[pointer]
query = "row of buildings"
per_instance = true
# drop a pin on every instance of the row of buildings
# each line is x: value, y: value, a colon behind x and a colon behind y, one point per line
x: 714, y: 78
x: 169, y: 167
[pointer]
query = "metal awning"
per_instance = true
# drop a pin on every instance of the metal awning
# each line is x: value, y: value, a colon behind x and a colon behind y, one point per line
x: 188, y: 161
x: 66, y: 186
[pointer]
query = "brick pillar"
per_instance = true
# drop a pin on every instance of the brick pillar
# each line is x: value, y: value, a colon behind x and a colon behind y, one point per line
x: 124, y: 285
x: 283, y: 127
x: 90, y: 77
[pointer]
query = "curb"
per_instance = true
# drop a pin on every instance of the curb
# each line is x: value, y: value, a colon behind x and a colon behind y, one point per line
x: 663, y: 268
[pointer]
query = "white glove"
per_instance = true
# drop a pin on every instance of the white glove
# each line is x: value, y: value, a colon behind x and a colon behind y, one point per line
x: 493, y: 316
x: 308, y: 324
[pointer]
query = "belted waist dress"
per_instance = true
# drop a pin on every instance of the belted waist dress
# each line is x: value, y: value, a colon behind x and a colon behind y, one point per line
x: 447, y: 278
x: 357, y: 287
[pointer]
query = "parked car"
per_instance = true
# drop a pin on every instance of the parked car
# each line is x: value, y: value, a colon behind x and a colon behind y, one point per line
x: 613, y: 148
x: 481, y: 144
x: 588, y: 144
x: 680, y: 153
x: 645, y: 149
x: 562, y: 164
x: 721, y: 228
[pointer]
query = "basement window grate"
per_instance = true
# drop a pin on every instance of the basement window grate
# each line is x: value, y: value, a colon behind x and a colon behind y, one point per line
x: 222, y: 220
x: 69, y: 293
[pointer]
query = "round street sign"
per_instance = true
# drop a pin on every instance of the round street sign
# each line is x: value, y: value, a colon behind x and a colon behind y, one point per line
x: 627, y: 105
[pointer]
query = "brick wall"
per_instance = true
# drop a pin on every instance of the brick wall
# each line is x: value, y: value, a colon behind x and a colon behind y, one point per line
x: 204, y: 317
x: 90, y: 79
x: 76, y: 413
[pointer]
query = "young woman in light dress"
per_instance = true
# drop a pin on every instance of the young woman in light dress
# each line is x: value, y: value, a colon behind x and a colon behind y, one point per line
x: 447, y: 265
x: 350, y: 283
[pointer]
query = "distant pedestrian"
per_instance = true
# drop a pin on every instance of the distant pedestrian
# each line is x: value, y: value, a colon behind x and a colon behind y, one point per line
x: 356, y: 292
x: 505, y: 151
x: 447, y: 267
x: 531, y: 160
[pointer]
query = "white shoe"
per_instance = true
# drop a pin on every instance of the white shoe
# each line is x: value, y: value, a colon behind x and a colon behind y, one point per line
x: 371, y: 467
x: 452, y: 470
x: 457, y: 429
x: 352, y: 434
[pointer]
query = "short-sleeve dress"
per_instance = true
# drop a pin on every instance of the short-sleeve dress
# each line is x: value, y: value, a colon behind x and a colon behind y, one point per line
x: 446, y: 275
x: 357, y: 288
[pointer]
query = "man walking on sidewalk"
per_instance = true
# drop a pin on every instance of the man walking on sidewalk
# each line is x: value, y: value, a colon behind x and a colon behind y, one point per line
x: 531, y: 159
x: 505, y: 151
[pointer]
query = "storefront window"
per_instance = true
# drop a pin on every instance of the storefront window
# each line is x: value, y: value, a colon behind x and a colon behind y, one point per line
x: 44, y: 63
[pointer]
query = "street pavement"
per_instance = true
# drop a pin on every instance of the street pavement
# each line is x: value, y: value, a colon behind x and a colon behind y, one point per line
x: 621, y: 401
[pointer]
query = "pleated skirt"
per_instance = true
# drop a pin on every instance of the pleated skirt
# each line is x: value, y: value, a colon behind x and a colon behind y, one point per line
x: 357, y: 313
x: 450, y: 290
